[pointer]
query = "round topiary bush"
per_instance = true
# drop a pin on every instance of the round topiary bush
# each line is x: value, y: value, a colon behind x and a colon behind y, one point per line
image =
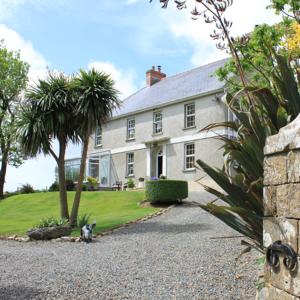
x: 166, y: 191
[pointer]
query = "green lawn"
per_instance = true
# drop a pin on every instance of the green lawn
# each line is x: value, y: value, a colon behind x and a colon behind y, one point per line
x: 108, y: 209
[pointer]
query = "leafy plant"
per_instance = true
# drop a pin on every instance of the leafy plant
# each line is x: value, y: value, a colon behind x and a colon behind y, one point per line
x: 70, y: 185
x: 93, y: 182
x: 51, y: 222
x: 130, y: 183
x: 166, y: 191
x: 83, y: 220
x: 141, y: 179
x: 54, y: 187
x: 26, y: 189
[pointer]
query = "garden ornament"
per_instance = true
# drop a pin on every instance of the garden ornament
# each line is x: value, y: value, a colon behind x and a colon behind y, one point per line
x: 86, y: 232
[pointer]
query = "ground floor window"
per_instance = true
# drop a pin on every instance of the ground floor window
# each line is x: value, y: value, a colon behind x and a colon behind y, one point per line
x: 94, y: 167
x: 130, y: 164
x: 189, y: 159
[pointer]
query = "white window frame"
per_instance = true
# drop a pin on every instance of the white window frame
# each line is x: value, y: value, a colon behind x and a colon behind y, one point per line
x: 189, y: 155
x: 157, y: 123
x: 131, y: 129
x: 98, y: 136
x: 129, y: 164
x: 189, y: 115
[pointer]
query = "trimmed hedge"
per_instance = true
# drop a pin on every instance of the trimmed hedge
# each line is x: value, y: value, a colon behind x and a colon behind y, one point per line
x: 166, y: 191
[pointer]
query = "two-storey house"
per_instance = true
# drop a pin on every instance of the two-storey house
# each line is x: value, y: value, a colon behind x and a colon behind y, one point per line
x: 157, y: 130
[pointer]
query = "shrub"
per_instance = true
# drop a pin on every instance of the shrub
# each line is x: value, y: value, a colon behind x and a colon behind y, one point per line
x: 162, y: 177
x: 92, y: 182
x: 130, y: 183
x: 70, y: 185
x: 141, y: 179
x: 51, y: 222
x: 54, y: 187
x: 26, y: 189
x: 83, y: 220
x: 166, y: 191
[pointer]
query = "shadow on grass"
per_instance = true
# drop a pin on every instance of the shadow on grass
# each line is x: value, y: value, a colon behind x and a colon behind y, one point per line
x: 20, y: 292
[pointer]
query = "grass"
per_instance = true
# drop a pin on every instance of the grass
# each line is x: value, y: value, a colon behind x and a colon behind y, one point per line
x: 109, y: 209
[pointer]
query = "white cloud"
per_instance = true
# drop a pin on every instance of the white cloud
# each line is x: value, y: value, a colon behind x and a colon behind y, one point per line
x: 125, y: 79
x: 8, y: 8
x: 244, y: 15
x: 13, y: 41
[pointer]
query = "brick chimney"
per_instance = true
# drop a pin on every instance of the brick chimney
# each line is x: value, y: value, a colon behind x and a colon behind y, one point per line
x: 153, y: 76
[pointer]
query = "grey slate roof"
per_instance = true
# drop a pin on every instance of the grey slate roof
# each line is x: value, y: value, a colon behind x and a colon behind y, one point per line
x: 187, y: 84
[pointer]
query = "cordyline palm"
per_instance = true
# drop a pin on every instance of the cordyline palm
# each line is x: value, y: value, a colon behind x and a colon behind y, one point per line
x: 48, y: 115
x: 95, y: 98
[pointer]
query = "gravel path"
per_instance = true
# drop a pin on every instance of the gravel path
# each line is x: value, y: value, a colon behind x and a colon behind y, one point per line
x: 168, y: 257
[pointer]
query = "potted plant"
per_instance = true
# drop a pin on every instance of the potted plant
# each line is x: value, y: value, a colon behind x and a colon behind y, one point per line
x: 130, y: 184
x: 141, y: 184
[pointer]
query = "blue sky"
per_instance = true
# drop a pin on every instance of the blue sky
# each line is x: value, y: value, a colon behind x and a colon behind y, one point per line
x: 122, y: 37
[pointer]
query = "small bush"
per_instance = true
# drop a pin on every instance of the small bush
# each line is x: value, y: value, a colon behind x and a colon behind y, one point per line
x: 162, y: 177
x: 54, y: 187
x: 83, y: 220
x: 51, y: 222
x: 141, y: 179
x: 93, y: 182
x: 26, y: 189
x: 130, y: 183
x: 70, y: 185
x: 166, y: 191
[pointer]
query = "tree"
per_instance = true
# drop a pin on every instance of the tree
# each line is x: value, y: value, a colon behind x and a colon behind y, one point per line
x: 95, y: 98
x: 48, y: 115
x: 13, y: 80
x: 289, y: 8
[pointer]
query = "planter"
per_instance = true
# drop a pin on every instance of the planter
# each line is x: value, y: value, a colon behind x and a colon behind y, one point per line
x: 48, y: 233
x: 141, y: 184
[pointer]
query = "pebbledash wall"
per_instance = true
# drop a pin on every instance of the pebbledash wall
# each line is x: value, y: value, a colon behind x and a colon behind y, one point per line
x: 282, y: 208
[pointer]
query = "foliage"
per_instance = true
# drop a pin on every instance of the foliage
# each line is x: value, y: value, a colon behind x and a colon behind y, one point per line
x: 109, y: 209
x: 26, y: 189
x: 141, y: 179
x: 166, y: 191
x: 13, y: 80
x: 83, y: 220
x: 93, y: 182
x: 70, y: 185
x: 130, y: 183
x: 54, y: 187
x: 262, y: 78
x: 162, y: 177
x: 51, y: 222
x: 293, y: 41
x: 289, y: 8
x: 48, y: 115
x: 95, y: 98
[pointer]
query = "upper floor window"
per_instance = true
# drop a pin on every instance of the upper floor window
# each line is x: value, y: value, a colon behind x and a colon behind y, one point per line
x: 98, y: 136
x: 189, y: 115
x: 189, y: 159
x: 130, y: 129
x: 157, y: 122
x: 130, y: 164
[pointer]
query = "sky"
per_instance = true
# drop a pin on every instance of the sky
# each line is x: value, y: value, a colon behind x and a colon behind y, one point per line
x: 121, y: 37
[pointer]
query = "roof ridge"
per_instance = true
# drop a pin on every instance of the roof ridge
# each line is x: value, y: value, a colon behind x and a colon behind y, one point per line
x: 196, y: 68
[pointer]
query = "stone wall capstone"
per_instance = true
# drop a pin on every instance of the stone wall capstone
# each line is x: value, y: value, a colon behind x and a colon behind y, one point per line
x: 282, y: 208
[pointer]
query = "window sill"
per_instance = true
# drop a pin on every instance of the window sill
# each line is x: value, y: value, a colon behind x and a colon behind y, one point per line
x: 156, y: 134
x: 189, y: 170
x: 129, y: 176
x: 130, y: 140
x: 98, y: 146
x: 188, y: 128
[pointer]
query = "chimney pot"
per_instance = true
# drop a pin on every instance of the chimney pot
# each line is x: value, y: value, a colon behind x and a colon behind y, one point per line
x: 153, y: 76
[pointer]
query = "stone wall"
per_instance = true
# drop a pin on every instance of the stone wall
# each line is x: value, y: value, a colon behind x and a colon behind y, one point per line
x: 282, y: 207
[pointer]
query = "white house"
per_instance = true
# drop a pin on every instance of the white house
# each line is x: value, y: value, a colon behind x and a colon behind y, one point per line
x: 157, y: 130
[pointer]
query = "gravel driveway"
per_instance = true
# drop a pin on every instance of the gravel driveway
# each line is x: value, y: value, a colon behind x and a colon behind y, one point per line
x: 168, y: 257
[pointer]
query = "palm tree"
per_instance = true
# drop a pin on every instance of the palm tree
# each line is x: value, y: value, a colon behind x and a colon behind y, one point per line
x: 48, y: 115
x: 95, y: 98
